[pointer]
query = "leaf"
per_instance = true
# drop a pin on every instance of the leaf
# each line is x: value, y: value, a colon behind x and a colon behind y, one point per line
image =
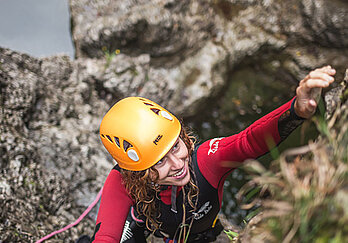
x: 231, y: 234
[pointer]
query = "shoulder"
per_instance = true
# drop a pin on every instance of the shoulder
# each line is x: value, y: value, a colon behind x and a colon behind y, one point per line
x: 212, y: 145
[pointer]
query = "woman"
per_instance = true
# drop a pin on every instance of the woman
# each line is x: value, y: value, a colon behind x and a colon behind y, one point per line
x: 164, y: 184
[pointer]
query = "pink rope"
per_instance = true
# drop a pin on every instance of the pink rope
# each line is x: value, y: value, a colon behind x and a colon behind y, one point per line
x: 76, y: 222
x: 135, y: 218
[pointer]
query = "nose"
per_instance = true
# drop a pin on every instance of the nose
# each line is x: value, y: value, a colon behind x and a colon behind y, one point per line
x: 175, y: 162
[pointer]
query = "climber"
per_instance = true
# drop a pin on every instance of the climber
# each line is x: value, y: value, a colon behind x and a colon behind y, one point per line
x: 165, y: 184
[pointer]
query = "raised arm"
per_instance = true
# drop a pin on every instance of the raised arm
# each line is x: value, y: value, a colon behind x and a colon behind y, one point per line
x: 269, y: 130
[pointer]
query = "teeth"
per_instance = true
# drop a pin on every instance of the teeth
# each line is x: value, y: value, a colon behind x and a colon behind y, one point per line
x: 179, y: 173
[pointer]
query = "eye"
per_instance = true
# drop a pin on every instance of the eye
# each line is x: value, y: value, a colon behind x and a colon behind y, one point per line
x: 159, y: 163
x: 176, y: 146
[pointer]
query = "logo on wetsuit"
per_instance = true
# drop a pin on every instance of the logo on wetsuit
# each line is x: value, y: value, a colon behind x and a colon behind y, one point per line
x: 204, y: 210
x: 214, y: 145
x: 127, y: 232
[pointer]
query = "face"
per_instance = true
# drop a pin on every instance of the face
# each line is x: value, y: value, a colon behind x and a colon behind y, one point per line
x: 173, y: 168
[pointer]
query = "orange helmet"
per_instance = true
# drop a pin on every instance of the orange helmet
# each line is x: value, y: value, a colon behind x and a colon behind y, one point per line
x: 138, y: 133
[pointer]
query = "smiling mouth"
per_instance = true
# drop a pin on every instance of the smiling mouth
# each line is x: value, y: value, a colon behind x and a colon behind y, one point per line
x: 180, y: 174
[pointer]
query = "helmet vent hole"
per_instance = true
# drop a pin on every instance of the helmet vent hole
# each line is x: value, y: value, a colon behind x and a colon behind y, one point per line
x: 166, y: 115
x: 132, y: 154
x: 126, y: 145
x: 109, y: 138
x: 103, y: 136
x: 142, y: 99
x: 148, y: 104
x: 117, y: 140
x: 156, y: 111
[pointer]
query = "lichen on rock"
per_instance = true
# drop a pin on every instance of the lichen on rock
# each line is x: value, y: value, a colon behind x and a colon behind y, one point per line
x: 185, y: 55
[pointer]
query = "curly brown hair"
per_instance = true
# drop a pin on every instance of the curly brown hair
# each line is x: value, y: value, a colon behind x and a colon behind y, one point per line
x: 146, y: 190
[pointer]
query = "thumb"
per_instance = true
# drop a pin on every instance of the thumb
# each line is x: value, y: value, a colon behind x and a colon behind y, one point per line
x: 312, y: 106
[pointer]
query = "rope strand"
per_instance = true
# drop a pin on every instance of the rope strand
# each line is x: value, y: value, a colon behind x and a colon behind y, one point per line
x: 76, y: 221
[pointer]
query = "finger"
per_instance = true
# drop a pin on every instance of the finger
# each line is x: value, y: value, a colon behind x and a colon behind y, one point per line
x: 332, y: 71
x: 301, y: 91
x: 315, y: 83
x: 307, y: 108
x: 327, y: 69
x: 312, y: 104
x: 320, y: 75
x: 311, y: 107
x: 324, y: 67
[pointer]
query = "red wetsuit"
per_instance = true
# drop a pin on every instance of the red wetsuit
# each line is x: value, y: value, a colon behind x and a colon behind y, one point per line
x: 210, y: 169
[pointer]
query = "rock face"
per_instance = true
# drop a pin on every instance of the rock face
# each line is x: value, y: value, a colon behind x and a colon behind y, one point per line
x: 191, y: 51
x: 185, y: 55
x: 50, y: 151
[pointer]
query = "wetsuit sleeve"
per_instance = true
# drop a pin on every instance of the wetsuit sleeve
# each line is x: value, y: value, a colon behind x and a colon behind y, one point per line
x: 114, y: 207
x: 215, y: 157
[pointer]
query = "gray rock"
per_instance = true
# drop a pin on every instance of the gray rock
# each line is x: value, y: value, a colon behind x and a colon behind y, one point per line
x: 159, y: 28
x: 173, y: 37
x: 50, y: 145
x: 193, y: 57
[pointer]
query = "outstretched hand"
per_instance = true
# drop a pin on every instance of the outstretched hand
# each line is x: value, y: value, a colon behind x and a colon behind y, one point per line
x: 309, y: 90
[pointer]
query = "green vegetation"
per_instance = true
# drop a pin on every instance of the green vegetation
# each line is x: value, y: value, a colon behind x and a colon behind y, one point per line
x: 231, y: 235
x: 303, y: 197
x: 109, y: 55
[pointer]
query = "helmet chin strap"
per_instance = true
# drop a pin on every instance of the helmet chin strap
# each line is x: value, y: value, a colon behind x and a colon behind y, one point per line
x: 173, y: 199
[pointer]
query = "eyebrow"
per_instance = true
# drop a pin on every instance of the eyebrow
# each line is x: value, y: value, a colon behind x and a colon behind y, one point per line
x: 169, y: 149
x: 175, y: 142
